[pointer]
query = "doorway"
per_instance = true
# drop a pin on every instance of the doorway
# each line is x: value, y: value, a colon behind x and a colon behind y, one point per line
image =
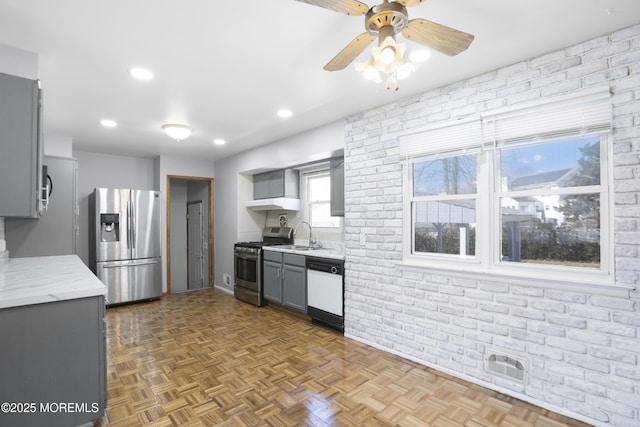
x: 195, y: 246
x: 185, y: 193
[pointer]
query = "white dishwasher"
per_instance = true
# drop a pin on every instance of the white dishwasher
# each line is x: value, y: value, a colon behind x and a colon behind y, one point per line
x: 325, y: 291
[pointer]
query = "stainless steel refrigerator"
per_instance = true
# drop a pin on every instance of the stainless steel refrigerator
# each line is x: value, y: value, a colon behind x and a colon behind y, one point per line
x: 125, y: 243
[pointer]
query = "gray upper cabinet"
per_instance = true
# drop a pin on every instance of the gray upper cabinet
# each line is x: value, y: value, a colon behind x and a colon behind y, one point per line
x: 20, y: 147
x: 336, y: 168
x: 278, y: 183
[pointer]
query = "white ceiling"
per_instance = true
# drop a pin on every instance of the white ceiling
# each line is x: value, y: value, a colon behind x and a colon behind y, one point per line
x: 226, y: 67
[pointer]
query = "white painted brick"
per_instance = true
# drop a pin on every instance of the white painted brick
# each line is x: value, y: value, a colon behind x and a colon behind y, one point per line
x: 570, y: 346
x: 613, y: 303
x: 567, y: 321
x: 589, y: 337
x: 619, y: 403
x: 614, y: 355
x: 545, y: 352
x: 530, y: 337
x: 588, y: 411
x: 583, y: 347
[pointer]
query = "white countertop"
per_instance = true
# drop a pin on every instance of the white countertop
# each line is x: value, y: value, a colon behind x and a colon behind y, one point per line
x: 36, y: 280
x: 321, y: 253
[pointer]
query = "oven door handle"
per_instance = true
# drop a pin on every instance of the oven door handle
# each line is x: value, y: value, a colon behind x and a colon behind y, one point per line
x: 249, y: 257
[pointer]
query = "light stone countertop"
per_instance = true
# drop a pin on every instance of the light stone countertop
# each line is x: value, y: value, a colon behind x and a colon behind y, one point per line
x: 36, y: 280
x: 331, y: 253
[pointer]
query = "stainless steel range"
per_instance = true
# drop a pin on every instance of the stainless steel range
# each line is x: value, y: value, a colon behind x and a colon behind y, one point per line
x: 248, y: 264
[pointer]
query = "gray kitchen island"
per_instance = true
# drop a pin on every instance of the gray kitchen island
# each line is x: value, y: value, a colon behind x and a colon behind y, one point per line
x: 52, y: 342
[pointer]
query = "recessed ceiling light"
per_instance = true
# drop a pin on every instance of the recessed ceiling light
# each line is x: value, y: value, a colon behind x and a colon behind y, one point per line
x: 108, y: 123
x: 284, y: 113
x: 219, y: 141
x: 141, y: 73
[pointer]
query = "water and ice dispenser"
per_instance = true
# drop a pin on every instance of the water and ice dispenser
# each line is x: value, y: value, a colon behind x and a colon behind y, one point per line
x: 110, y: 227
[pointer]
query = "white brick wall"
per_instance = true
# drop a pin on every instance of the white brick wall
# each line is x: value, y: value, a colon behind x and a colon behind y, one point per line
x: 584, y: 349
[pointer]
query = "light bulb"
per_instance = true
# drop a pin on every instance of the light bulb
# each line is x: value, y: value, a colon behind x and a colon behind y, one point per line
x: 388, y: 55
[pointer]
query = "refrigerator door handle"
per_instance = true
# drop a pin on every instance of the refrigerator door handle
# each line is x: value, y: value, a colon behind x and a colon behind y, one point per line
x: 133, y: 226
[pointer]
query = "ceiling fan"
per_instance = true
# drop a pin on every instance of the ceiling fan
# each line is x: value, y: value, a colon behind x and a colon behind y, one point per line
x: 384, y: 21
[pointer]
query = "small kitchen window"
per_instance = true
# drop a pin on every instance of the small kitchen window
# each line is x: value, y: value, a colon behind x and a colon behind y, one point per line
x: 318, y: 199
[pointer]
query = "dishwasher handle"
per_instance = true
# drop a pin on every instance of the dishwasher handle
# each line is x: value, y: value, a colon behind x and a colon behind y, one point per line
x: 325, y: 267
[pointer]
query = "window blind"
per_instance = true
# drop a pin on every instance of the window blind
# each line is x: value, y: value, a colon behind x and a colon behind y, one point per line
x: 452, y: 136
x: 583, y: 113
x: 587, y: 112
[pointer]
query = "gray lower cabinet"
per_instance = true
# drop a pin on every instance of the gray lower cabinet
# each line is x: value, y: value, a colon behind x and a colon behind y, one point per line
x: 271, y: 271
x: 53, y: 363
x: 285, y: 279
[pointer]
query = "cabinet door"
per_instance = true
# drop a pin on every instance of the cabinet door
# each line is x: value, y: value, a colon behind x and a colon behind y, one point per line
x: 295, y: 287
x: 337, y: 187
x: 20, y: 150
x: 272, y: 281
x: 268, y: 185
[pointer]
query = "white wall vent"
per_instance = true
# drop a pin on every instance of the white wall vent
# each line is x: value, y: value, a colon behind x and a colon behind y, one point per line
x: 507, y: 366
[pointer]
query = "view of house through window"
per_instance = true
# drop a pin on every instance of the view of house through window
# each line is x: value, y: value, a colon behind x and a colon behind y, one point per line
x: 549, y: 200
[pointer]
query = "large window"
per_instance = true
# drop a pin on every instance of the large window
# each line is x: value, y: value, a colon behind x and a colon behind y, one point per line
x: 550, y: 202
x: 528, y: 195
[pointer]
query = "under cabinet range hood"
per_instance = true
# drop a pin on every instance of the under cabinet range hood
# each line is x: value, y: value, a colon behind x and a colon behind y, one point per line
x: 276, y: 203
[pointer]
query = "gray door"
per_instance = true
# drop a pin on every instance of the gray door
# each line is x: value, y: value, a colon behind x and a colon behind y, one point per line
x: 195, y: 245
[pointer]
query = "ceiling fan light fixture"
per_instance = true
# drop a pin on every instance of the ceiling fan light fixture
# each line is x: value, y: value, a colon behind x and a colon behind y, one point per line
x: 176, y: 131
x: 388, y: 55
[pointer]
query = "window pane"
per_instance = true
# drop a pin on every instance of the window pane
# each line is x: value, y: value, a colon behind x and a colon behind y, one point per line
x: 319, y: 188
x: 445, y: 227
x: 452, y: 175
x: 558, y: 164
x: 561, y: 230
x: 320, y: 215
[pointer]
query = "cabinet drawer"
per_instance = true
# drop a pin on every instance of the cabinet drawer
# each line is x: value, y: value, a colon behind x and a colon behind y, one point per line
x: 294, y: 259
x: 272, y: 256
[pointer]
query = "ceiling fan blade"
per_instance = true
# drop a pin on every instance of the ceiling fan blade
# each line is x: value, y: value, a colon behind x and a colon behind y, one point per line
x: 443, y: 39
x: 348, y: 7
x: 410, y: 3
x: 350, y: 52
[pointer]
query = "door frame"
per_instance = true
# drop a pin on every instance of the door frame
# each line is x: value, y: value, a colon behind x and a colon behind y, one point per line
x: 168, y: 210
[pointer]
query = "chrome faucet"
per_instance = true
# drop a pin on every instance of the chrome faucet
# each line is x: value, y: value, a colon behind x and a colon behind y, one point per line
x: 312, y: 241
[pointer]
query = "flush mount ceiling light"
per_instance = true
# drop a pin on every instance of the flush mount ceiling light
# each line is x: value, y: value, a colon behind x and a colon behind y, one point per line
x: 177, y: 132
x: 384, y: 21
x: 141, y: 73
x: 108, y: 123
x: 219, y: 141
x: 284, y: 113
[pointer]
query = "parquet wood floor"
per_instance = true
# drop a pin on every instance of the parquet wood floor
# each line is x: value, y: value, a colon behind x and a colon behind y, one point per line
x: 206, y: 359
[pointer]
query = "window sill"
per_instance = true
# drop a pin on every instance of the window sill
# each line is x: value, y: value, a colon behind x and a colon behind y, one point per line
x: 597, y: 284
